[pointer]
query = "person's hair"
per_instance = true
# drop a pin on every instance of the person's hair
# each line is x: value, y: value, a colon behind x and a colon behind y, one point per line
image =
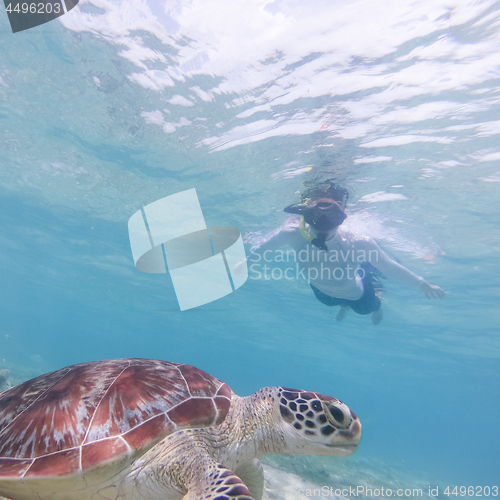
x: 316, y: 188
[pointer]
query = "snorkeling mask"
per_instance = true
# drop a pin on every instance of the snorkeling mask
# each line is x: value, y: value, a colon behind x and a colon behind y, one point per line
x: 322, y: 214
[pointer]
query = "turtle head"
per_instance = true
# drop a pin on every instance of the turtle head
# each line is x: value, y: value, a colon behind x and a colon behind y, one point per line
x: 316, y: 424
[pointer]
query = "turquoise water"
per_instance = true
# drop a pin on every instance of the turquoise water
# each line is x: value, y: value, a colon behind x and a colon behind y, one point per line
x: 116, y: 105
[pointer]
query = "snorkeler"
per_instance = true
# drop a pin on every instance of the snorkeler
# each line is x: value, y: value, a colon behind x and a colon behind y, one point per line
x: 339, y: 264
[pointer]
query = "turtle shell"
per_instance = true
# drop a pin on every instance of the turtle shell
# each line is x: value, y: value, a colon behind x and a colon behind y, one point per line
x: 81, y: 417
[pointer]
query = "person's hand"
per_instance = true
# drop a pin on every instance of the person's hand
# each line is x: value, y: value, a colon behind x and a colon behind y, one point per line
x: 432, y: 291
x: 240, y: 267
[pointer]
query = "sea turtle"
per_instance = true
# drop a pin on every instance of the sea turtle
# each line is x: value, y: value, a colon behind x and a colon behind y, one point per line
x: 130, y: 429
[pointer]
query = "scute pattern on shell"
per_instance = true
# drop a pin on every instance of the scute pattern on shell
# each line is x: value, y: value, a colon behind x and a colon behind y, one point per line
x: 77, y: 417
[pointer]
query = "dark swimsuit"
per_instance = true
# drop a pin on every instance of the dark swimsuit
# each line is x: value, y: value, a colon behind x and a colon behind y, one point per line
x: 368, y: 302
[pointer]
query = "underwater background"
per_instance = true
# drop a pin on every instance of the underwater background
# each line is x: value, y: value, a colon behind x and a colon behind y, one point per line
x: 120, y: 103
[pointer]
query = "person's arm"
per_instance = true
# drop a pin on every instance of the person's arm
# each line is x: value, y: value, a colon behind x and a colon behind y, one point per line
x: 379, y: 259
x: 278, y: 238
x: 285, y: 235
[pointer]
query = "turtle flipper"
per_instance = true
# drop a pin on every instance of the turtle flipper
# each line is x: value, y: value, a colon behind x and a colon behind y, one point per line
x: 252, y: 475
x: 221, y: 484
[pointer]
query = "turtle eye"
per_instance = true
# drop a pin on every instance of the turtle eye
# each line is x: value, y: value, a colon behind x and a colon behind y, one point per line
x: 338, y: 414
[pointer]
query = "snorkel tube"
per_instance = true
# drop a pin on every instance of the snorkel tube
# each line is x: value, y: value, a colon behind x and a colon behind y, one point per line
x: 317, y: 242
x: 303, y: 230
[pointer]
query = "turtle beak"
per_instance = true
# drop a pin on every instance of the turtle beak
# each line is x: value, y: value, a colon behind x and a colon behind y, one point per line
x: 345, y: 442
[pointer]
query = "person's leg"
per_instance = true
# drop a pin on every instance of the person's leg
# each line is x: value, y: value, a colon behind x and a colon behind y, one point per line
x: 377, y: 316
x: 342, y: 312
